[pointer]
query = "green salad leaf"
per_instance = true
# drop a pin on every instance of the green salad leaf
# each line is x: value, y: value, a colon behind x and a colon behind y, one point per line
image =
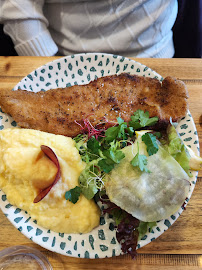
x: 82, y: 147
x: 177, y: 149
x: 144, y: 227
x: 103, y: 153
x: 118, y: 215
x: 117, y: 132
x: 141, y: 119
x: 73, y: 194
x: 106, y: 164
x: 150, y: 140
x: 90, y: 179
x: 111, y: 157
x: 183, y: 159
x: 115, y: 155
x: 140, y: 161
x: 93, y: 148
x: 102, y: 157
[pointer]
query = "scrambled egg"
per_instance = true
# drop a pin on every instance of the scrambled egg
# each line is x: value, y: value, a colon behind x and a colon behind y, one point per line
x: 25, y: 170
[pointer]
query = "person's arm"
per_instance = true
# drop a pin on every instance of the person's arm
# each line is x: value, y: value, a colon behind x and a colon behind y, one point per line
x: 25, y: 23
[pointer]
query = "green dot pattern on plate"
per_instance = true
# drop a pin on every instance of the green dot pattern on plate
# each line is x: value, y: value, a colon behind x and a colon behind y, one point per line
x: 91, y: 241
x: 3, y: 197
x: 17, y: 210
x: 9, y: 206
x: 167, y: 223
x: 45, y: 239
x: 144, y: 237
x: 29, y: 228
x: 76, y: 70
x: 86, y: 255
x: 27, y: 220
x: 111, y: 226
x: 62, y: 245
x: 113, y: 241
x: 101, y: 234
x: 75, y: 246
x: 103, y: 247
x: 18, y: 219
x: 53, y: 242
x: 38, y: 232
x: 69, y: 238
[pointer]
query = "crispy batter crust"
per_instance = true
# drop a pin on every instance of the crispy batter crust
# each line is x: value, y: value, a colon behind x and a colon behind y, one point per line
x: 56, y: 110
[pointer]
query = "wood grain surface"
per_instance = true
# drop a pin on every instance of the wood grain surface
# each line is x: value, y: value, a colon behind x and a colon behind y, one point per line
x: 180, y: 247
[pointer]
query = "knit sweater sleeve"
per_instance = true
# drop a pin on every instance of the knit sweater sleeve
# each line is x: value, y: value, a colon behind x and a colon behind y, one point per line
x: 25, y: 23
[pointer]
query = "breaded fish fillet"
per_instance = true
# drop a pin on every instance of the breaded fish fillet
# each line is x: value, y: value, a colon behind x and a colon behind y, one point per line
x: 56, y: 110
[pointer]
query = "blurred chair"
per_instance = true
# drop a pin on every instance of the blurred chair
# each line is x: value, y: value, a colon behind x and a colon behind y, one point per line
x: 6, y: 44
x: 187, y: 30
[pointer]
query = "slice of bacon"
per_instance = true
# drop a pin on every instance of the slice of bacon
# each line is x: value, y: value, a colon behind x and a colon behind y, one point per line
x: 52, y: 156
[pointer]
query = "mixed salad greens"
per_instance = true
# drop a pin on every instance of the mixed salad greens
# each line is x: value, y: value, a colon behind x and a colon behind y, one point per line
x: 103, y: 149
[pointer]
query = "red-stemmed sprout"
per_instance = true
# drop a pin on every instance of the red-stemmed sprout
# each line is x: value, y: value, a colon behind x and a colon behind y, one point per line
x: 96, y: 132
x: 91, y: 130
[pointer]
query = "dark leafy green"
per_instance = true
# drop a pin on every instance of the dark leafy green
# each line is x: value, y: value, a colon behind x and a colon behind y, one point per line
x: 141, y: 119
x: 101, y: 154
x: 112, y: 156
x: 102, y: 158
x: 73, y: 194
x: 150, y: 140
x: 144, y: 227
x: 93, y: 146
x: 117, y: 132
x: 118, y: 215
x: 106, y: 164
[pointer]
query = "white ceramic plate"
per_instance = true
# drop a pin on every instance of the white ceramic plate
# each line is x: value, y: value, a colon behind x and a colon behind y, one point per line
x: 68, y: 71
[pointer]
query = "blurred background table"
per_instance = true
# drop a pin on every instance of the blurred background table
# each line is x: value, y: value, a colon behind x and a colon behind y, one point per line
x: 180, y: 247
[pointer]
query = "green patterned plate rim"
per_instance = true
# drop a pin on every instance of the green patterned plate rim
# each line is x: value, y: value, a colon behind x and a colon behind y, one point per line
x: 74, y: 70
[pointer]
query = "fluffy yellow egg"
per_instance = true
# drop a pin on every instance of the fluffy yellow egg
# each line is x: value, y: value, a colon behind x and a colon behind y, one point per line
x: 25, y: 170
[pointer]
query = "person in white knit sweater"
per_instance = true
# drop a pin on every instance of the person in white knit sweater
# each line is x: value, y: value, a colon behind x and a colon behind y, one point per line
x: 136, y: 28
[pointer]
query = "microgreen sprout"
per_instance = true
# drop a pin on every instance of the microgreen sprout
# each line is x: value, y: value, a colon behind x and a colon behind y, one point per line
x: 97, y: 179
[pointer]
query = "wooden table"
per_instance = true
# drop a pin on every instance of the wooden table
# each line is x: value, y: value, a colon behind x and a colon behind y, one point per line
x: 180, y: 247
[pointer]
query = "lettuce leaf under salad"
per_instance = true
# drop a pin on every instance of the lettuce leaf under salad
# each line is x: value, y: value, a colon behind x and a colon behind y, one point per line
x: 104, y: 152
x: 177, y: 149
